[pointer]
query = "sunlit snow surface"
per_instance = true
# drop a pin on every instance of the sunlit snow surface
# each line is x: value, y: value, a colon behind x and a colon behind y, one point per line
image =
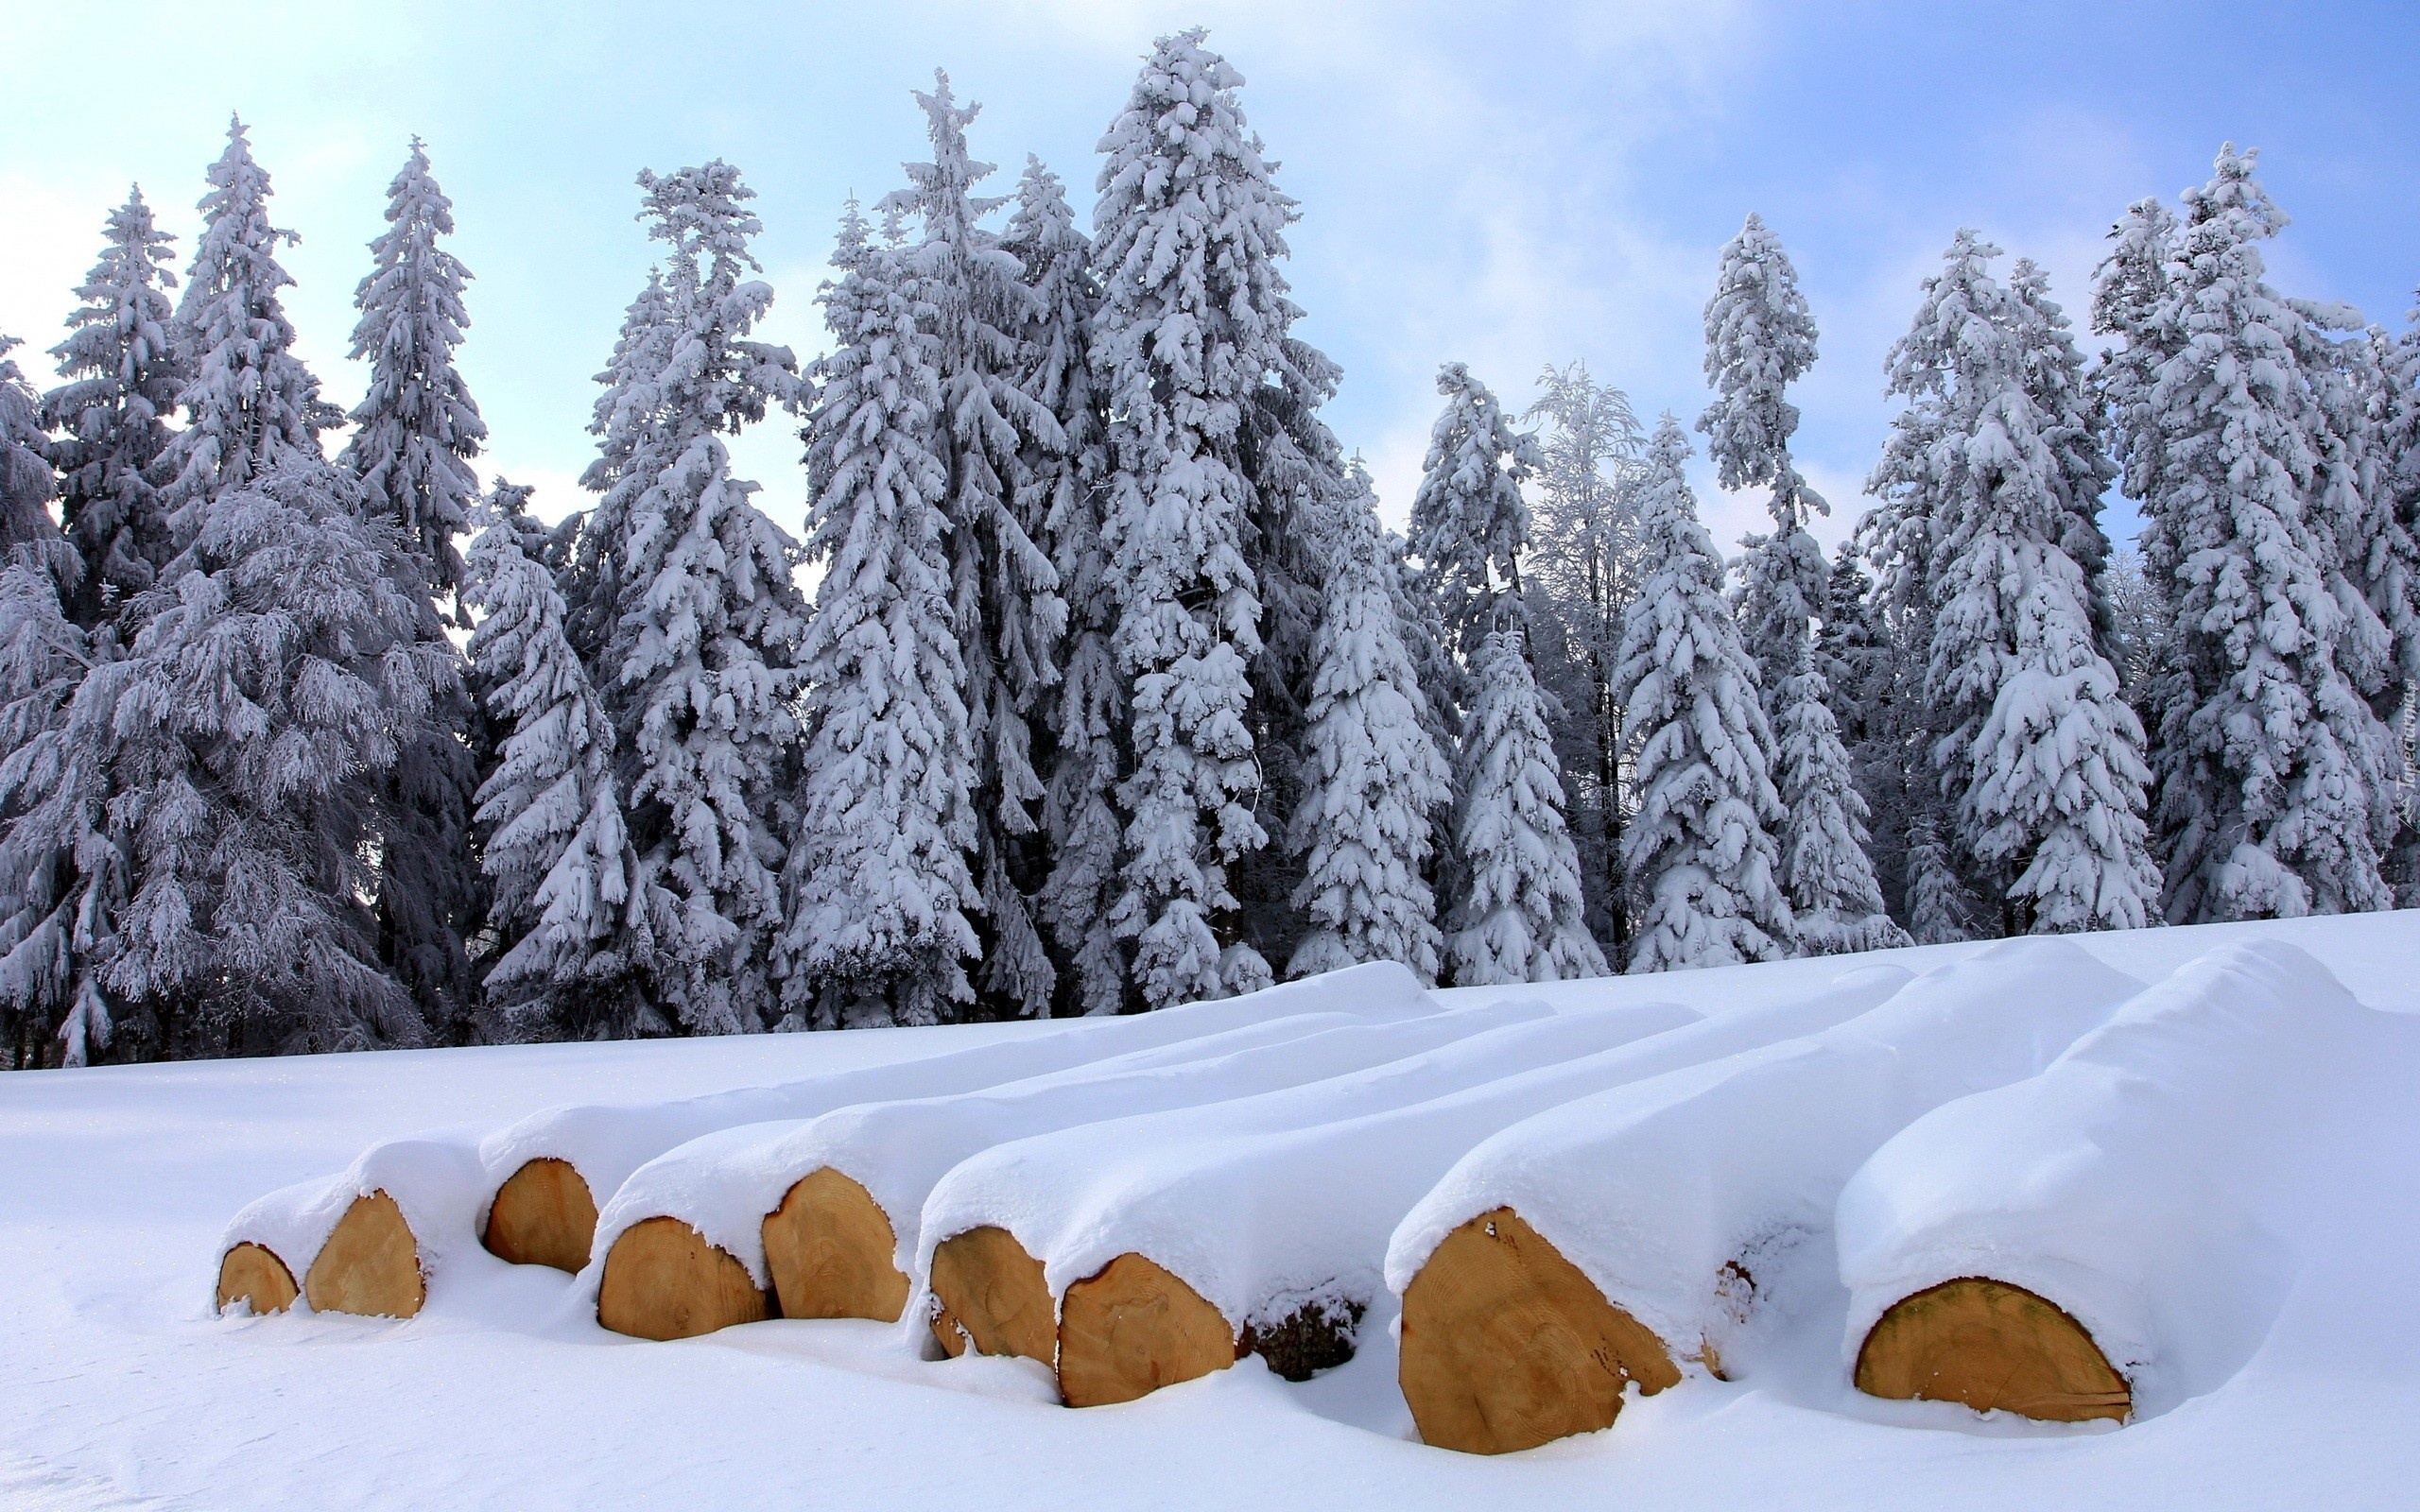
x: 120, y: 1389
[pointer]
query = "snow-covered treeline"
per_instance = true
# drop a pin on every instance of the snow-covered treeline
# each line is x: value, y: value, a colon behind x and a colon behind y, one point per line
x: 1096, y: 684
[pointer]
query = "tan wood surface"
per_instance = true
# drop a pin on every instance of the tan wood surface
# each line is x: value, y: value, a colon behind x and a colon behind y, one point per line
x: 830, y: 1247
x: 992, y: 1293
x: 250, y: 1273
x: 1990, y: 1344
x: 663, y: 1281
x: 543, y: 1214
x: 370, y: 1265
x: 1507, y: 1346
x: 1133, y: 1328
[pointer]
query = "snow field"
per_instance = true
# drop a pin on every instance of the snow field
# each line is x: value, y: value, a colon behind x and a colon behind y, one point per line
x: 1652, y: 1189
x: 2162, y: 1181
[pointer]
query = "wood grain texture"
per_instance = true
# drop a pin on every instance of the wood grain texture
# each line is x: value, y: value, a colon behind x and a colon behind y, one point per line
x: 1991, y: 1345
x: 1507, y: 1346
x: 990, y: 1294
x: 543, y: 1214
x: 830, y: 1246
x: 1132, y: 1328
x: 663, y: 1281
x: 249, y: 1273
x: 369, y: 1265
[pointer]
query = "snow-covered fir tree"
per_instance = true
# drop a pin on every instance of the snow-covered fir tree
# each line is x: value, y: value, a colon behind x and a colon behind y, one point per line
x: 417, y: 428
x: 122, y: 383
x: 1373, y: 774
x: 1703, y: 864
x: 1062, y: 487
x: 706, y: 618
x: 1004, y: 588
x: 243, y: 742
x: 26, y: 481
x: 878, y: 891
x: 1760, y: 338
x: 414, y: 434
x: 2039, y: 755
x: 1521, y: 918
x: 555, y: 849
x: 1217, y: 456
x: 60, y: 879
x: 251, y: 405
x: 624, y: 419
x: 2275, y: 773
x: 1470, y: 525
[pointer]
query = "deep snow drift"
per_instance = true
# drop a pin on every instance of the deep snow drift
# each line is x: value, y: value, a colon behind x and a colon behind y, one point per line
x: 2244, y: 1137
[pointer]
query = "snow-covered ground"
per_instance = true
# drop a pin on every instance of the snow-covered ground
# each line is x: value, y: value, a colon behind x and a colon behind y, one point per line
x: 120, y: 1389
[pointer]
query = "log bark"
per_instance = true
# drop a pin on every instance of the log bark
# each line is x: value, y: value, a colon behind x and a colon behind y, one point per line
x: 371, y: 1263
x: 1133, y: 1328
x: 830, y: 1249
x: 543, y: 1214
x: 990, y: 1294
x: 1507, y: 1345
x: 1991, y: 1345
x: 250, y: 1273
x: 663, y: 1281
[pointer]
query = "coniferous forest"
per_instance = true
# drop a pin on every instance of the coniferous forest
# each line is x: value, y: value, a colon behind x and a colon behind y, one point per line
x: 1095, y: 683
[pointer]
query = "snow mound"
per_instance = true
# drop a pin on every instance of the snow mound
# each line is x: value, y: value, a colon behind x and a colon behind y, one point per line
x: 2159, y: 1181
x: 1672, y: 1194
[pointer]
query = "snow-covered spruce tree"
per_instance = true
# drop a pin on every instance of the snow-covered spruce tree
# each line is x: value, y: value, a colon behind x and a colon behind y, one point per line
x: 246, y: 738
x: 878, y: 891
x: 250, y: 405
x: 2274, y: 775
x: 1582, y: 572
x: 624, y: 419
x: 1700, y: 854
x: 1521, y: 919
x: 699, y: 651
x: 2039, y: 756
x: 1004, y: 588
x: 1219, y: 463
x: 59, y: 879
x: 414, y: 434
x: 110, y: 414
x: 1759, y: 338
x: 556, y: 850
x: 417, y: 428
x: 26, y: 481
x: 1470, y: 525
x: 1062, y: 486
x: 2394, y: 410
x: 1373, y: 774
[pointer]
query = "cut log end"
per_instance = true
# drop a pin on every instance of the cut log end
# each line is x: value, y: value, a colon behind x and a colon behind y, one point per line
x: 830, y: 1247
x: 990, y: 1294
x: 663, y: 1281
x: 1133, y: 1328
x: 1507, y: 1346
x: 543, y: 1214
x: 371, y: 1263
x: 250, y: 1273
x: 1991, y: 1345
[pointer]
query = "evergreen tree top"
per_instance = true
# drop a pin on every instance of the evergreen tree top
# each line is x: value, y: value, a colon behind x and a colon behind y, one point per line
x: 1759, y: 338
x: 121, y: 331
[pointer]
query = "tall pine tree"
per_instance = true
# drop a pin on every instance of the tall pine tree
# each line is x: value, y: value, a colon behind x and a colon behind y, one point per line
x: 1470, y: 525
x: 111, y: 414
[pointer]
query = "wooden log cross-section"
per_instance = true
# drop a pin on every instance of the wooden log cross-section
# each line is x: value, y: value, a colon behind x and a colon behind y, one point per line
x: 250, y: 1274
x: 831, y: 1250
x: 990, y: 1294
x: 1132, y: 1328
x: 663, y: 1281
x: 543, y: 1214
x: 1990, y: 1344
x: 371, y: 1263
x: 1507, y: 1345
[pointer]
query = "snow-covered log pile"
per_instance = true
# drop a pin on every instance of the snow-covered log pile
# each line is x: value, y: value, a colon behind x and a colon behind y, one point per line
x: 2022, y: 1181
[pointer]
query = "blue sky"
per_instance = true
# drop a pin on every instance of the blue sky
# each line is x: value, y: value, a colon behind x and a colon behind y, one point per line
x: 1505, y: 184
